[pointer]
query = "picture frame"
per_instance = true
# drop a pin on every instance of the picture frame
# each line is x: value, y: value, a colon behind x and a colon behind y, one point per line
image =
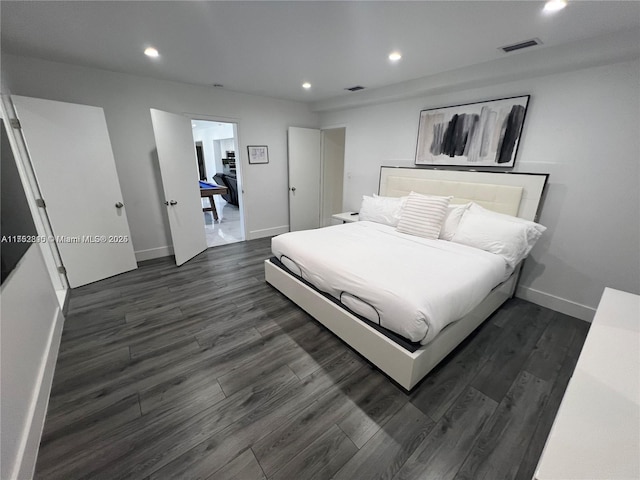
x: 480, y: 134
x: 258, y: 154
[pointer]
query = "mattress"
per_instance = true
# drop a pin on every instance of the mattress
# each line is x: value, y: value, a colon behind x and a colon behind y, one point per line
x: 407, y: 284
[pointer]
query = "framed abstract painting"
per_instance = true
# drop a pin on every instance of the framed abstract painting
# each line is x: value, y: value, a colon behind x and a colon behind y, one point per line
x: 482, y: 134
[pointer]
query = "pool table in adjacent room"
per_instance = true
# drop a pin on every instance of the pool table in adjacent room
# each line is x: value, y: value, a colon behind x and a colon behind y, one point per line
x: 209, y: 190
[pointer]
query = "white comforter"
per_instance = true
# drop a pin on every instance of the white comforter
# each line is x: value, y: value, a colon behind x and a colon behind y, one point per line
x: 407, y: 284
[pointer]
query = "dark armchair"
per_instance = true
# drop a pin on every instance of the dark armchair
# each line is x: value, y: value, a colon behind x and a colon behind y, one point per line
x: 231, y: 183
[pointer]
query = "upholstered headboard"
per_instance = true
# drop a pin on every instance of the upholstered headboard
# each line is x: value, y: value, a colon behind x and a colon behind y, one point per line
x: 515, y: 194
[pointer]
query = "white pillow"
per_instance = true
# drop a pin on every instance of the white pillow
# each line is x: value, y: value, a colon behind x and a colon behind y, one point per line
x: 423, y: 215
x: 385, y: 210
x: 534, y: 230
x: 511, y: 240
x: 452, y: 220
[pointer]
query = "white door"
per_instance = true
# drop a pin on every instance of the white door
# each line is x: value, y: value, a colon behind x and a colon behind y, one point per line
x: 71, y: 153
x: 304, y: 178
x: 179, y: 172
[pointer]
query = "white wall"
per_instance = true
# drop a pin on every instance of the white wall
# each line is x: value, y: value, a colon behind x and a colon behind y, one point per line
x: 30, y: 331
x: 126, y: 100
x: 582, y: 127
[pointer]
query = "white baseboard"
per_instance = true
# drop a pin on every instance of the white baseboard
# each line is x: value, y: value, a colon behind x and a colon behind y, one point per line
x: 63, y: 298
x: 267, y: 232
x: 151, y: 253
x: 28, y: 454
x: 558, y: 304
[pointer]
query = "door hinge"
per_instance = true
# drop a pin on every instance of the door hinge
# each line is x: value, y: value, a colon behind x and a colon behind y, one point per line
x: 40, y: 203
x: 62, y: 270
x: 15, y: 123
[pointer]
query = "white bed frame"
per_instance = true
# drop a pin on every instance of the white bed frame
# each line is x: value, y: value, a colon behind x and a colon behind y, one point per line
x: 513, y: 193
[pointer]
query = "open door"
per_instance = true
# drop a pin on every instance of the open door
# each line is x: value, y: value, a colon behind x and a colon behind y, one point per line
x: 179, y: 172
x: 71, y: 155
x: 304, y: 178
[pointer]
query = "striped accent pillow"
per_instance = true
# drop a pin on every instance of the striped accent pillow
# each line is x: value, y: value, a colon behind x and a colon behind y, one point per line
x: 423, y: 215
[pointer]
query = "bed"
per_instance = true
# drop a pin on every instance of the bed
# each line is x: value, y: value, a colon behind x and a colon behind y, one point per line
x: 312, y: 271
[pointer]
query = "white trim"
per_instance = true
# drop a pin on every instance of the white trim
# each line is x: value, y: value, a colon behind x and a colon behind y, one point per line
x: 62, y: 296
x: 28, y: 450
x: 334, y: 127
x: 151, y: 253
x: 321, y: 201
x: 267, y: 232
x: 211, y: 118
x: 562, y: 305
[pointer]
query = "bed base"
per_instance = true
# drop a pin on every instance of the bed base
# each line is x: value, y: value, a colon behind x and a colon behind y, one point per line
x: 404, y: 367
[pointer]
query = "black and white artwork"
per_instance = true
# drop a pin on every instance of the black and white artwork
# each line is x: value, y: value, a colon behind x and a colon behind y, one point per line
x: 483, y: 134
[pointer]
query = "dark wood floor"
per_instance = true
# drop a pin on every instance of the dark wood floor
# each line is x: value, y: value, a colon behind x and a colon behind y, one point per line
x: 205, y: 371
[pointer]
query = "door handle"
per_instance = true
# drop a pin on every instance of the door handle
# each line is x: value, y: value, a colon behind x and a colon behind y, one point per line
x: 119, y: 205
x: 172, y: 202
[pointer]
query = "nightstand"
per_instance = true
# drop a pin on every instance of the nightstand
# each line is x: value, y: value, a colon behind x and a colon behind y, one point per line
x: 346, y: 217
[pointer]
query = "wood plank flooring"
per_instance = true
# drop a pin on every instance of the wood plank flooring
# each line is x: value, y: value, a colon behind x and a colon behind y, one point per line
x: 205, y: 371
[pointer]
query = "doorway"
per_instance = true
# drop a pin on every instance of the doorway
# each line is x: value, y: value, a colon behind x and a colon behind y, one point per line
x: 333, y: 146
x: 216, y: 144
x: 316, y: 176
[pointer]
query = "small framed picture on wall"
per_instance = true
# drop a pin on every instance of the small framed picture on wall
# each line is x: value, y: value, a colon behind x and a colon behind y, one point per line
x: 258, y: 153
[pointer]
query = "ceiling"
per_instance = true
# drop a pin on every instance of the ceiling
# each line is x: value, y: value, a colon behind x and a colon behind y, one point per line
x: 271, y: 48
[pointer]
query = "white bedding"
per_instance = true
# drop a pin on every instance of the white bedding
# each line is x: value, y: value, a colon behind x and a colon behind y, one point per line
x: 407, y: 284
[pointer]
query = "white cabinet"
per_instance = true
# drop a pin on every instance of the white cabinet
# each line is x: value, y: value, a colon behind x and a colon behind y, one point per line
x: 596, y: 433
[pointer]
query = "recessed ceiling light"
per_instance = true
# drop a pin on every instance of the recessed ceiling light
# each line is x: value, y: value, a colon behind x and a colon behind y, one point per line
x: 395, y: 56
x: 151, y: 52
x: 554, y: 5
x: 306, y: 85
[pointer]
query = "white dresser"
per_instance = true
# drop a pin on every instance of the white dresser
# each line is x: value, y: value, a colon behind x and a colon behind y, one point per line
x: 596, y: 433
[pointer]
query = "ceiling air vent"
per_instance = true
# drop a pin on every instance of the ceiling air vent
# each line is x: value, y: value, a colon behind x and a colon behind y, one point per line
x: 521, y: 45
x: 355, y: 89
